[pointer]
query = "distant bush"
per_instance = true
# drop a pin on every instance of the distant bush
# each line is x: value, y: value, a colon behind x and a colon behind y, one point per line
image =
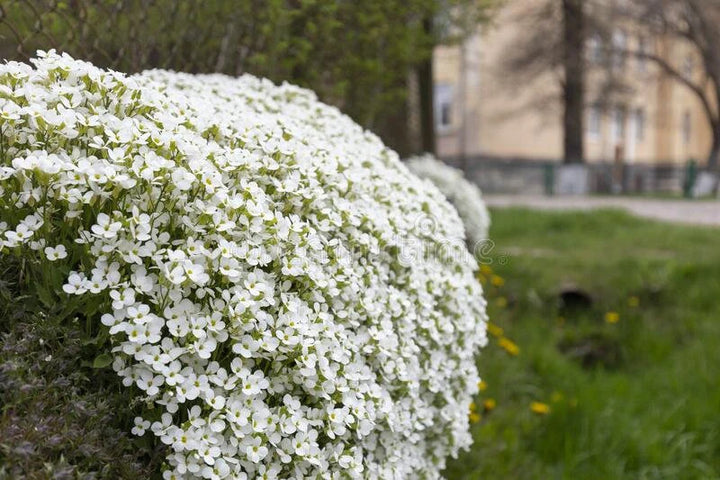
x: 463, y: 194
x: 243, y: 247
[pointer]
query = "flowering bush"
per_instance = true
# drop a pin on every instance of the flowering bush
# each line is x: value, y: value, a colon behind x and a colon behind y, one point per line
x: 464, y: 195
x: 246, y: 249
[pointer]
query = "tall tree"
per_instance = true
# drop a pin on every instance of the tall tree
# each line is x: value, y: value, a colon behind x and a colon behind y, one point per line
x: 424, y: 73
x: 551, y: 42
x: 573, y: 79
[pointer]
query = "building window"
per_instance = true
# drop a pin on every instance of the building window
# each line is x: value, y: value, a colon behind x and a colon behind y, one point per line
x: 642, y: 54
x: 443, y: 106
x: 594, y: 121
x: 618, y: 123
x: 639, y: 119
x: 595, y: 46
x: 619, y: 49
x: 687, y: 127
x: 445, y: 119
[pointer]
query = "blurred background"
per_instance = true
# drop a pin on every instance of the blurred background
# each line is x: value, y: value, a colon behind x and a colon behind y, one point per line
x: 511, y: 91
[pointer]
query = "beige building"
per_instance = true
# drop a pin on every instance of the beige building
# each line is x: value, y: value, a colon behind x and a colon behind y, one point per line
x: 479, y: 111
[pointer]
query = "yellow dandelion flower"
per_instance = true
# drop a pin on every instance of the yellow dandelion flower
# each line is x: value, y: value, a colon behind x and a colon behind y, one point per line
x: 473, y: 407
x: 509, y: 346
x: 475, y: 417
x: 497, y: 280
x: 489, y: 404
x: 633, y: 301
x: 486, y: 269
x: 494, y: 330
x: 482, y: 385
x: 612, y: 317
x: 481, y: 278
x: 556, y: 397
x: 540, y: 408
x: 501, y: 302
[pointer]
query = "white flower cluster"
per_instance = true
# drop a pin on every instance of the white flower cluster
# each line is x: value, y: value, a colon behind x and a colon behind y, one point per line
x: 463, y: 194
x: 248, y: 242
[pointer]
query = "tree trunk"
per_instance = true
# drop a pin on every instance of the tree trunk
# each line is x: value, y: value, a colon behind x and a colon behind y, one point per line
x: 425, y: 87
x: 394, y: 129
x: 574, y: 84
x: 714, y: 155
x: 712, y: 160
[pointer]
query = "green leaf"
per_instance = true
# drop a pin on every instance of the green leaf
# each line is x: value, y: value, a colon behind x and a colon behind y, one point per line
x: 103, y: 360
x: 45, y: 296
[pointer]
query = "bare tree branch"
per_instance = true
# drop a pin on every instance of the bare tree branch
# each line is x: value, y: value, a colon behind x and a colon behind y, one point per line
x: 697, y: 24
x: 680, y: 77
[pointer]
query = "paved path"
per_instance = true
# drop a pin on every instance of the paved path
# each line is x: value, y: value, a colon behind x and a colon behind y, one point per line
x: 699, y: 212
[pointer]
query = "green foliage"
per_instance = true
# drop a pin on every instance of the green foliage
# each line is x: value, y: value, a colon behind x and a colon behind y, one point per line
x: 648, y: 408
x: 59, y: 417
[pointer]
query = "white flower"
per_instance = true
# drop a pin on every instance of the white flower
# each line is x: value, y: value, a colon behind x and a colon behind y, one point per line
x: 254, y: 384
x: 246, y: 347
x: 114, y: 322
x: 139, y: 314
x: 196, y: 273
x: 105, y: 227
x: 255, y: 451
x: 150, y: 383
x: 18, y: 236
x: 122, y: 299
x: 76, y: 284
x: 140, y: 426
x: 55, y: 253
x: 218, y: 469
x: 183, y: 179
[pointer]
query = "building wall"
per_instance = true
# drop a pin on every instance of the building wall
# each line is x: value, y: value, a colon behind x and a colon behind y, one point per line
x: 498, y: 120
x: 458, y: 74
x: 496, y: 116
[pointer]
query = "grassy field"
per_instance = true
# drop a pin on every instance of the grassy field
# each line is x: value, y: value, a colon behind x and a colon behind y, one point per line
x: 627, y: 387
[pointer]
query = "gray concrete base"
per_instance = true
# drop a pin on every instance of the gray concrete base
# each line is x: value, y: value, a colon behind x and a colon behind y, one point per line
x: 704, y: 185
x: 534, y: 176
x: 572, y: 180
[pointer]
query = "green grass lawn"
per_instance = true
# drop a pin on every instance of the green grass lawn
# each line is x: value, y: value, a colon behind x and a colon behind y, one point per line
x: 637, y: 398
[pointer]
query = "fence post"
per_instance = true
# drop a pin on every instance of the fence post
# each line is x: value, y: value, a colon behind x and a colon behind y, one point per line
x: 690, y: 177
x: 549, y: 177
